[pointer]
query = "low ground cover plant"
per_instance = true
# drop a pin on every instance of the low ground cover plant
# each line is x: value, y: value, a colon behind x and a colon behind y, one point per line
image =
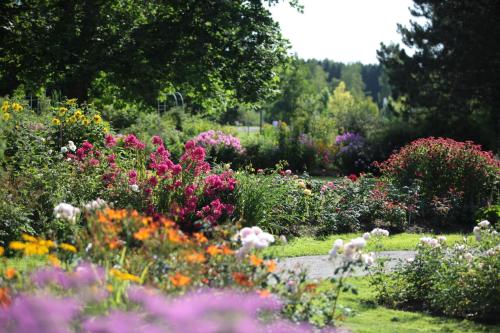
x: 459, y: 280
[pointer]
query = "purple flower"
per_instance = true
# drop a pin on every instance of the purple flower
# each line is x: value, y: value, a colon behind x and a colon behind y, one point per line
x: 39, y: 314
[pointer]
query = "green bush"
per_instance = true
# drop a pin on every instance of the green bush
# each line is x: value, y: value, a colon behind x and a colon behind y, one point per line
x: 458, y: 281
x: 349, y: 204
x: 455, y: 178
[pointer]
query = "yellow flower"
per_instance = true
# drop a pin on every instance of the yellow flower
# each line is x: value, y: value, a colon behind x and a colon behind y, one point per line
x: 71, y: 101
x: 32, y: 246
x: 97, y: 119
x: 17, y: 245
x: 123, y: 276
x: 85, y: 121
x: 17, y: 107
x: 5, y: 106
x: 68, y: 247
x: 307, y: 191
x: 28, y: 238
x: 78, y: 114
x: 56, y: 122
x: 62, y: 111
x: 6, y: 116
x: 72, y: 119
x: 2, y: 250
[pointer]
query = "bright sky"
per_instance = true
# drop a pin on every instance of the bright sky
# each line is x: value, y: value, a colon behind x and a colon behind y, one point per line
x: 342, y: 30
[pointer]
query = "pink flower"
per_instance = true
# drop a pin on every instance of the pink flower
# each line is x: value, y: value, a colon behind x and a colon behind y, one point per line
x: 157, y: 140
x: 110, y: 141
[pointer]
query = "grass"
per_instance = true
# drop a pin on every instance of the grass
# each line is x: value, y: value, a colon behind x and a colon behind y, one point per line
x: 370, y: 318
x: 307, y: 246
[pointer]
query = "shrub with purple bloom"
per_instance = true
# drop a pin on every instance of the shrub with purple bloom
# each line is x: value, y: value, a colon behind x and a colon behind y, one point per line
x: 350, y: 142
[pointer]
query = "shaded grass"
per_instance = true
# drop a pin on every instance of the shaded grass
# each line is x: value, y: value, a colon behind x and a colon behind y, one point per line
x: 306, y: 246
x: 370, y: 318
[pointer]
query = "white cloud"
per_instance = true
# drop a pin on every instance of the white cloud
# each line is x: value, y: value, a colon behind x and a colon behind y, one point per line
x: 342, y: 30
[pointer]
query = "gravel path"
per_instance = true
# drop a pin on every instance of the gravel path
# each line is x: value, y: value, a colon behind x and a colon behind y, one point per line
x: 321, y: 267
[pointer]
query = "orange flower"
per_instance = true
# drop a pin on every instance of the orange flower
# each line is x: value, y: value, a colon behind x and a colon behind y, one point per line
x: 200, y: 238
x: 271, y: 266
x: 264, y: 293
x: 142, y: 234
x: 5, y: 299
x: 10, y: 273
x: 213, y: 250
x: 174, y: 236
x: 179, y: 280
x: 54, y: 260
x: 226, y: 250
x: 242, y: 279
x: 195, y: 257
x: 256, y: 261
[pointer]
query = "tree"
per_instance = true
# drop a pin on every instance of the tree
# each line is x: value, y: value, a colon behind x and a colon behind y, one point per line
x: 451, y: 80
x: 203, y: 48
x: 352, y: 113
x: 351, y: 76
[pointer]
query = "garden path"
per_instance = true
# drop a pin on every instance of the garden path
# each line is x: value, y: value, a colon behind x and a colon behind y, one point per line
x: 322, y: 267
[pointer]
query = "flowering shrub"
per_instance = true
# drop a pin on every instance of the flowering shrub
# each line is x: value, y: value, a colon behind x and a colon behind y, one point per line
x: 458, y: 281
x: 77, y: 123
x: 189, y: 191
x: 218, y: 140
x: 455, y: 178
x: 347, y: 205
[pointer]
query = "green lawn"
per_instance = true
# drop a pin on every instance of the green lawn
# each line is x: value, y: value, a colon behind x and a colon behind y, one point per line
x: 370, y: 318
x: 304, y: 246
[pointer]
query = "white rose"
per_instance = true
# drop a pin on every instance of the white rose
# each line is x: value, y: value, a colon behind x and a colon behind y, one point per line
x: 366, y: 235
x: 64, y: 150
x: 134, y: 187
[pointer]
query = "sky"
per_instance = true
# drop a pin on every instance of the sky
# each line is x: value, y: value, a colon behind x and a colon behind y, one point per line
x: 342, y: 30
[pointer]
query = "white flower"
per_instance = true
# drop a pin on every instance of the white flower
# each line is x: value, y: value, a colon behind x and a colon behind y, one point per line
x: 71, y: 146
x: 66, y: 212
x: 410, y: 260
x: 134, y: 187
x: 359, y: 242
x: 366, y: 235
x: 336, y: 246
x: 432, y: 242
x: 476, y: 230
x: 253, y: 238
x: 95, y: 204
x: 380, y: 232
x: 484, y: 224
x: 64, y: 150
x: 333, y: 253
x: 338, y: 243
x: 368, y: 259
x: 441, y: 239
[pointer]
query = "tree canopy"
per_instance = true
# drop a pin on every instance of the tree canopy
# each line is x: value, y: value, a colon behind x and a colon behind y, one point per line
x: 451, y: 80
x: 203, y: 48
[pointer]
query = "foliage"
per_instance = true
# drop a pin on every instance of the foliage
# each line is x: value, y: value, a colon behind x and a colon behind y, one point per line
x: 214, y: 52
x: 455, y: 178
x: 491, y: 213
x: 303, y: 205
x: 458, y: 281
x: 450, y: 78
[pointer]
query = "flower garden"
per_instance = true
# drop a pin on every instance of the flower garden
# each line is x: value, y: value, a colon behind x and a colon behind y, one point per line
x: 103, y: 230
